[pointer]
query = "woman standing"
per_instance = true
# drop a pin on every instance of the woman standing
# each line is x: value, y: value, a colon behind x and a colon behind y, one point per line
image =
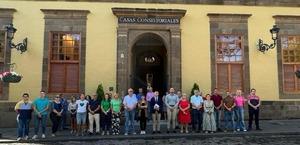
x: 143, y: 105
x: 72, y: 109
x: 56, y: 114
x: 184, y: 116
x: 239, y: 101
x: 106, y: 114
x: 81, y: 114
x: 209, y: 123
x: 116, y: 112
x: 253, y: 105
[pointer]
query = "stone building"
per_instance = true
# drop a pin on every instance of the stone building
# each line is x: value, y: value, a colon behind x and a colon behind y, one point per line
x: 74, y: 45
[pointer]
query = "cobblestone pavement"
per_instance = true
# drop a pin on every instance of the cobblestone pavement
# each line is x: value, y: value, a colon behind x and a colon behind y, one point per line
x: 247, y: 140
x: 275, y: 132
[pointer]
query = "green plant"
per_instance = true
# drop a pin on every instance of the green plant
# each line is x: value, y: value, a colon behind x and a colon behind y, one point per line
x: 100, y: 92
x: 195, y: 87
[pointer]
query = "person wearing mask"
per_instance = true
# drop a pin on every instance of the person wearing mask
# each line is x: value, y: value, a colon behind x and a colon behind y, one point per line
x: 24, y: 110
x: 171, y: 102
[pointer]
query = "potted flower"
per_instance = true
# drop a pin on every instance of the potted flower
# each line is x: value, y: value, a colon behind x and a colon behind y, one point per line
x: 10, y: 77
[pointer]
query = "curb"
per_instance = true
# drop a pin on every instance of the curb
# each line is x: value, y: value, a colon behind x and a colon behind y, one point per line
x: 156, y: 136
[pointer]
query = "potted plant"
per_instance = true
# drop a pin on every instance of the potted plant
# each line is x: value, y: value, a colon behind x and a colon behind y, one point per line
x: 10, y: 76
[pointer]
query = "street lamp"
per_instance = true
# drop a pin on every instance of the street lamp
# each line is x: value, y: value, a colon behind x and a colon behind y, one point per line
x: 265, y: 47
x: 11, y: 30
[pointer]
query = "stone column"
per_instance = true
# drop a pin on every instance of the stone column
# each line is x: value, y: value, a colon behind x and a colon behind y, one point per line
x: 175, y: 56
x: 122, y: 61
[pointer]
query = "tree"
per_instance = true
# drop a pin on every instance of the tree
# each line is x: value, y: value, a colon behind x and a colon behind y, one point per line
x: 100, y: 92
x: 195, y: 87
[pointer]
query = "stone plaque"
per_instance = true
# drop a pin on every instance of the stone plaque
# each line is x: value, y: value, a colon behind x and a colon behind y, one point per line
x: 149, y: 20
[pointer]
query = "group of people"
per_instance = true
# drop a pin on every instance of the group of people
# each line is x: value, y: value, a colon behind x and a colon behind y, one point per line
x: 203, y: 112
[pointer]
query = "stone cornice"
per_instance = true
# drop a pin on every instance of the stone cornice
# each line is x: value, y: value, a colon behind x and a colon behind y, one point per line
x: 7, y: 12
x: 290, y: 19
x: 279, y: 3
x: 228, y: 17
x: 149, y: 12
x: 65, y: 14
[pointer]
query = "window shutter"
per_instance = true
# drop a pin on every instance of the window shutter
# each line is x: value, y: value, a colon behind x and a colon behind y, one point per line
x: 289, y: 77
x: 72, y: 77
x: 236, y: 76
x: 222, y: 77
x: 57, y: 73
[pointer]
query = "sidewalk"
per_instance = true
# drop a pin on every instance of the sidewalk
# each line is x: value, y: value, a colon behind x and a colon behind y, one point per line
x: 270, y: 128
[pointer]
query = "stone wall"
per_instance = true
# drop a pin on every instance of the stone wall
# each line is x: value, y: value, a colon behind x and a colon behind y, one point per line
x: 273, y: 110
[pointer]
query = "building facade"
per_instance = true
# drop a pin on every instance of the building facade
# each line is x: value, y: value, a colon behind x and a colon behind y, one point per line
x: 74, y: 46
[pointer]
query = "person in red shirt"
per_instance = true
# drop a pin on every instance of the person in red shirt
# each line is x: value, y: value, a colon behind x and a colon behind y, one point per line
x: 218, y: 101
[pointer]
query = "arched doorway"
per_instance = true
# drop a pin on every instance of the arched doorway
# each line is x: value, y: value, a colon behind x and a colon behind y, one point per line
x: 149, y: 63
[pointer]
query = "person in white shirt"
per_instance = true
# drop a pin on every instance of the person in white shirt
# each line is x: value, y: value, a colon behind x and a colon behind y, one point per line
x: 130, y: 103
x: 81, y: 114
x: 197, y: 110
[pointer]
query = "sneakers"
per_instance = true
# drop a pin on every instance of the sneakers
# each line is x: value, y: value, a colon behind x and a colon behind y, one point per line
x: 245, y: 130
x: 43, y: 136
x: 134, y: 133
x: 126, y: 134
x: 143, y: 132
x: 103, y: 133
x: 238, y: 130
x: 53, y: 135
x: 107, y: 133
x: 26, y: 138
x: 34, y: 137
x: 19, y: 138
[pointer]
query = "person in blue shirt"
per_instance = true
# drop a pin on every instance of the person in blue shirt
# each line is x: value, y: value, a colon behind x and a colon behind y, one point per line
x: 197, y: 110
x: 41, y: 107
x: 24, y: 111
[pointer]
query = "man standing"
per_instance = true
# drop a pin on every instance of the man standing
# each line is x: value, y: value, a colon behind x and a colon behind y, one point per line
x: 197, y: 114
x: 253, y: 106
x: 229, y: 105
x: 41, y: 107
x: 156, y: 106
x: 24, y: 110
x: 218, y: 101
x: 139, y: 94
x: 129, y: 103
x: 94, y: 111
x: 171, y: 102
x: 65, y: 105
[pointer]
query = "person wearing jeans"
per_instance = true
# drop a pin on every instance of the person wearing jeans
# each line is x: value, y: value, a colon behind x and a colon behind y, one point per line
x: 130, y: 103
x: 24, y: 111
x: 218, y: 103
x: 197, y: 115
x: 41, y: 106
x: 229, y: 105
x: 171, y: 101
x: 253, y: 106
x: 239, y: 108
x: 94, y: 110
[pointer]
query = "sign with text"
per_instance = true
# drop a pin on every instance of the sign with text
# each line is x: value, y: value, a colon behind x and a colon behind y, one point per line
x: 150, y: 20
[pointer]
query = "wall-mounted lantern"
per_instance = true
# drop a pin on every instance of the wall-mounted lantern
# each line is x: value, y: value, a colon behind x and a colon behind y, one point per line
x: 265, y: 47
x: 11, y: 30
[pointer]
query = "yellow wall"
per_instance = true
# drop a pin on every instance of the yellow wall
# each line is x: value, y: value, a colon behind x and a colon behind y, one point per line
x: 101, y: 44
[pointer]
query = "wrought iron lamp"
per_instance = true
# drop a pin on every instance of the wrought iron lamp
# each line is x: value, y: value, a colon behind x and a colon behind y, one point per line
x: 11, y: 30
x: 265, y: 47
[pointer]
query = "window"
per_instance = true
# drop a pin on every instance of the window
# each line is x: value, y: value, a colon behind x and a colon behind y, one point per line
x: 229, y: 62
x: 290, y: 46
x: 64, y: 62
